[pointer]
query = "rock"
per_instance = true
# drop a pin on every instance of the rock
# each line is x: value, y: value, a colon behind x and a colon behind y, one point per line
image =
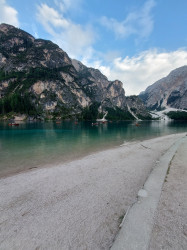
x: 20, y: 117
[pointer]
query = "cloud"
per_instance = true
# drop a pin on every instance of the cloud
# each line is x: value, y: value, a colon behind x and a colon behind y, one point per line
x: 144, y: 69
x: 74, y: 38
x: 63, y: 5
x: 139, y: 23
x: 8, y: 14
x: 66, y: 5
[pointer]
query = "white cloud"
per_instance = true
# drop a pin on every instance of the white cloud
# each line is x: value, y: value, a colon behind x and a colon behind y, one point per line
x: 139, y: 23
x: 142, y: 70
x: 66, y: 5
x: 75, y: 39
x: 63, y: 5
x: 51, y: 19
x: 8, y: 14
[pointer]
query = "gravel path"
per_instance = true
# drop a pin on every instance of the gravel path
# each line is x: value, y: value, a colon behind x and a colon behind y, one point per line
x: 77, y: 205
x: 170, y: 229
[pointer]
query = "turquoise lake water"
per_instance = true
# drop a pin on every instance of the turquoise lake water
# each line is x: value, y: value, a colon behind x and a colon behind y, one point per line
x: 37, y: 144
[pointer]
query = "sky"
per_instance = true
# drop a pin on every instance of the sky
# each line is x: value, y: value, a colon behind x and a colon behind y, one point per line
x: 137, y: 42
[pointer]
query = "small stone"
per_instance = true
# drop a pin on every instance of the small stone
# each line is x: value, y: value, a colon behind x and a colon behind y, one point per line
x: 142, y: 193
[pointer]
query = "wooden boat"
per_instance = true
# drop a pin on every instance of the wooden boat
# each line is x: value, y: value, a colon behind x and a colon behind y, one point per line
x: 13, y: 124
x: 95, y: 124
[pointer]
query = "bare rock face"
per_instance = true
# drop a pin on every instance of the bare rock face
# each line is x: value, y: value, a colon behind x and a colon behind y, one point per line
x: 20, y: 51
x: 93, y: 81
x: 170, y: 91
x: 137, y: 107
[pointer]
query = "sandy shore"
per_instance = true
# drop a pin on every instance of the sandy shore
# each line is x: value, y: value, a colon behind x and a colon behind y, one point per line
x: 170, y: 227
x: 78, y: 205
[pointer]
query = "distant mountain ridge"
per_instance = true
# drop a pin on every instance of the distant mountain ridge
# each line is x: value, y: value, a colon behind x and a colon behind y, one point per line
x: 170, y: 91
x: 39, y: 79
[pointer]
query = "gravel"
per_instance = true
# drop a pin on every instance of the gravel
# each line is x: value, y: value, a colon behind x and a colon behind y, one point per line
x: 78, y: 205
x: 170, y: 229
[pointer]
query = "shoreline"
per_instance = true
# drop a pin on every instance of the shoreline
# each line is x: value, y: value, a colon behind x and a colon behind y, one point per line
x: 11, y: 172
x: 79, y: 204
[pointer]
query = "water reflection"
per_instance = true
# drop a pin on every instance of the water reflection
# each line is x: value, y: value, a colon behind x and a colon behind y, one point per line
x: 35, y: 144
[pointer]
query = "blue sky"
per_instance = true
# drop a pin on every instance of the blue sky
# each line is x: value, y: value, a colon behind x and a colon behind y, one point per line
x: 137, y: 41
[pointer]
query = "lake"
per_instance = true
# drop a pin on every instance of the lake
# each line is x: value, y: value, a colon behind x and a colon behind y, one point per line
x: 37, y: 144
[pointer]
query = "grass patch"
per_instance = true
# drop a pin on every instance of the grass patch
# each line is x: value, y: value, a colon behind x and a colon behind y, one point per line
x: 120, y: 220
x: 168, y: 170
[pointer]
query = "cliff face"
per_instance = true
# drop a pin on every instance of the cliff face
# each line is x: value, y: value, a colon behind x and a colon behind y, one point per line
x: 170, y: 91
x: 137, y: 107
x: 21, y: 51
x: 93, y: 81
x: 37, y: 77
x: 52, y: 81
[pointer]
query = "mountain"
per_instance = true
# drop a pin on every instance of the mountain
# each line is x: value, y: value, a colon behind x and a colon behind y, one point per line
x: 170, y: 91
x: 37, y: 78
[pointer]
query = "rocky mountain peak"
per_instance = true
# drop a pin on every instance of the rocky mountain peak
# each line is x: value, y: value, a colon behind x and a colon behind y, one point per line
x: 78, y: 65
x: 170, y: 91
x: 20, y: 51
x: 9, y: 30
